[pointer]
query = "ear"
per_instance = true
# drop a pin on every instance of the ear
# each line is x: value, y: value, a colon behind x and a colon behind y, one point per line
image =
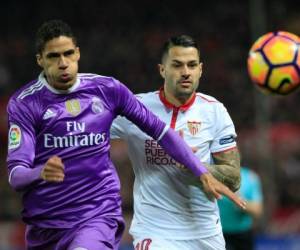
x: 77, y: 51
x: 161, y: 69
x: 201, y: 69
x: 39, y: 60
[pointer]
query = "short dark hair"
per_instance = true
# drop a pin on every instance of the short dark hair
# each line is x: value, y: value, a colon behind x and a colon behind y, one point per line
x: 50, y: 30
x: 182, y: 41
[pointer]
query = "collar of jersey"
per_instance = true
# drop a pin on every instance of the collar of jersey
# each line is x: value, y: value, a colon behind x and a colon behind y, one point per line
x: 169, y: 105
x: 56, y: 91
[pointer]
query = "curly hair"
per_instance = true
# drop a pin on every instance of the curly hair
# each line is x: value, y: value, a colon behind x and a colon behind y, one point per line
x: 50, y: 30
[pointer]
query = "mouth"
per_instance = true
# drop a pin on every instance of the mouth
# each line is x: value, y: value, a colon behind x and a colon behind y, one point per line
x: 185, y: 83
x: 65, y: 77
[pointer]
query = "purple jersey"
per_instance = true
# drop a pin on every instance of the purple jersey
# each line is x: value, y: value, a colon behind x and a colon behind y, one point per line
x: 73, y: 125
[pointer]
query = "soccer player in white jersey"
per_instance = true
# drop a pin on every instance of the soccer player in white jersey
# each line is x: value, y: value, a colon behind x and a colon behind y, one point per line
x: 58, y: 149
x: 171, y: 210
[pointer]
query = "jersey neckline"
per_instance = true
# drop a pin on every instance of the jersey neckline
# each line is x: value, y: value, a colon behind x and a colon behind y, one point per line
x: 56, y: 91
x: 183, y: 107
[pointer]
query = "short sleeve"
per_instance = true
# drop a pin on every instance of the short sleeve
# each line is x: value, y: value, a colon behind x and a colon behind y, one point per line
x: 225, y: 134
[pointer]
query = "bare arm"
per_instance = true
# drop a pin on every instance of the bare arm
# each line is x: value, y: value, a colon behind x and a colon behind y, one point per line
x: 227, y: 168
x: 255, y: 209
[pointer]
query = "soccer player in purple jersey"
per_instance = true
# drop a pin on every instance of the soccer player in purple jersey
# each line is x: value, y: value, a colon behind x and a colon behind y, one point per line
x: 58, y: 149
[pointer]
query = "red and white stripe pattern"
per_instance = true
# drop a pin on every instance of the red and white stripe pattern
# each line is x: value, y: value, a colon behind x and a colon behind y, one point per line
x: 143, y: 245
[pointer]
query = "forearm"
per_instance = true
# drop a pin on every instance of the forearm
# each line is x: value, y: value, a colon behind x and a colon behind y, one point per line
x: 255, y: 209
x: 228, y: 175
x: 227, y: 169
x: 20, y: 177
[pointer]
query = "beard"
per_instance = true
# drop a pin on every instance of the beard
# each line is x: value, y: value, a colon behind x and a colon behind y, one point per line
x: 184, y: 92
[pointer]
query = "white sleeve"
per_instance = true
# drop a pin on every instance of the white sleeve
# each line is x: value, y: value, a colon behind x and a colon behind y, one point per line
x: 225, y: 134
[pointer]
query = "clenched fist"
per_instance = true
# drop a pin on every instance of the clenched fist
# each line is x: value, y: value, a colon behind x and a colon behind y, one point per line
x: 53, y: 170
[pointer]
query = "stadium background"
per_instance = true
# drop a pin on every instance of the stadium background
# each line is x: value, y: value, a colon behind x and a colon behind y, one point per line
x: 123, y: 39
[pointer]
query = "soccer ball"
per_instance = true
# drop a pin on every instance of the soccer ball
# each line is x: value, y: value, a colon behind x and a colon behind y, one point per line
x: 274, y: 63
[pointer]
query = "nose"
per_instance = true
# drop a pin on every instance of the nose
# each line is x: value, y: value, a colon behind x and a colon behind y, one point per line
x: 63, y: 62
x: 185, y: 71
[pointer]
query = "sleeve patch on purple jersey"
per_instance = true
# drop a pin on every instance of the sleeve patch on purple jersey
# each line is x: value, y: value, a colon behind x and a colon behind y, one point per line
x: 14, y: 136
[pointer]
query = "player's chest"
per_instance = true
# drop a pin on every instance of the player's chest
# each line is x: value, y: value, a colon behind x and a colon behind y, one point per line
x: 75, y: 115
x: 193, y: 126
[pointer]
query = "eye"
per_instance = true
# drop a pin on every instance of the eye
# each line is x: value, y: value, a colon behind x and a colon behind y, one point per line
x: 176, y: 65
x: 193, y: 65
x: 69, y: 52
x: 52, y: 55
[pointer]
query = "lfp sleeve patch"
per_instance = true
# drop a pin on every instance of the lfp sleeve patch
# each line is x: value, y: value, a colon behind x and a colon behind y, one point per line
x: 14, y: 136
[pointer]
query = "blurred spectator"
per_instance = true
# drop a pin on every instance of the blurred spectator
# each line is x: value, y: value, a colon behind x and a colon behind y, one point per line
x: 237, y: 224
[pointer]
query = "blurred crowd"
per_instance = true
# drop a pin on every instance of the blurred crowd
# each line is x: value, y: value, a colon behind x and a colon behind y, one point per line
x: 124, y: 40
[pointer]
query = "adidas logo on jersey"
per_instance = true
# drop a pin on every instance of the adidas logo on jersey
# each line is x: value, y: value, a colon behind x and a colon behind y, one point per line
x: 48, y: 114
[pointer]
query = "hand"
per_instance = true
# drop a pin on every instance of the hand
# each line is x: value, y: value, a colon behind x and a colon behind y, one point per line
x: 53, y: 170
x: 215, y: 189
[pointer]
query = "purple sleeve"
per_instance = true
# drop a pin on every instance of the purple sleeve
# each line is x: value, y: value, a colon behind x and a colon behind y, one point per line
x: 20, y: 177
x: 21, y: 151
x: 130, y: 107
x: 175, y: 146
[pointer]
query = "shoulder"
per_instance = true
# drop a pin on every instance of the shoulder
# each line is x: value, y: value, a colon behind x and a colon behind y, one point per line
x: 209, y: 102
x: 25, y: 104
x: 95, y: 80
x: 106, y: 86
x: 148, y: 98
x: 207, y: 99
x: 26, y: 94
x: 148, y: 95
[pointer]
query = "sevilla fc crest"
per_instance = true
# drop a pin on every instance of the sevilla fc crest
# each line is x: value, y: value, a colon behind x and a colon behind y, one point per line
x: 193, y: 127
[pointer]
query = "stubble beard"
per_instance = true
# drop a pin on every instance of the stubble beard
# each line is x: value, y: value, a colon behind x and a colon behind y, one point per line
x: 184, y: 94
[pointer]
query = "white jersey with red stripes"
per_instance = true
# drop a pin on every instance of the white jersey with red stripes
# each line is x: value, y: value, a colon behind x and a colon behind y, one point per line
x: 168, y: 200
